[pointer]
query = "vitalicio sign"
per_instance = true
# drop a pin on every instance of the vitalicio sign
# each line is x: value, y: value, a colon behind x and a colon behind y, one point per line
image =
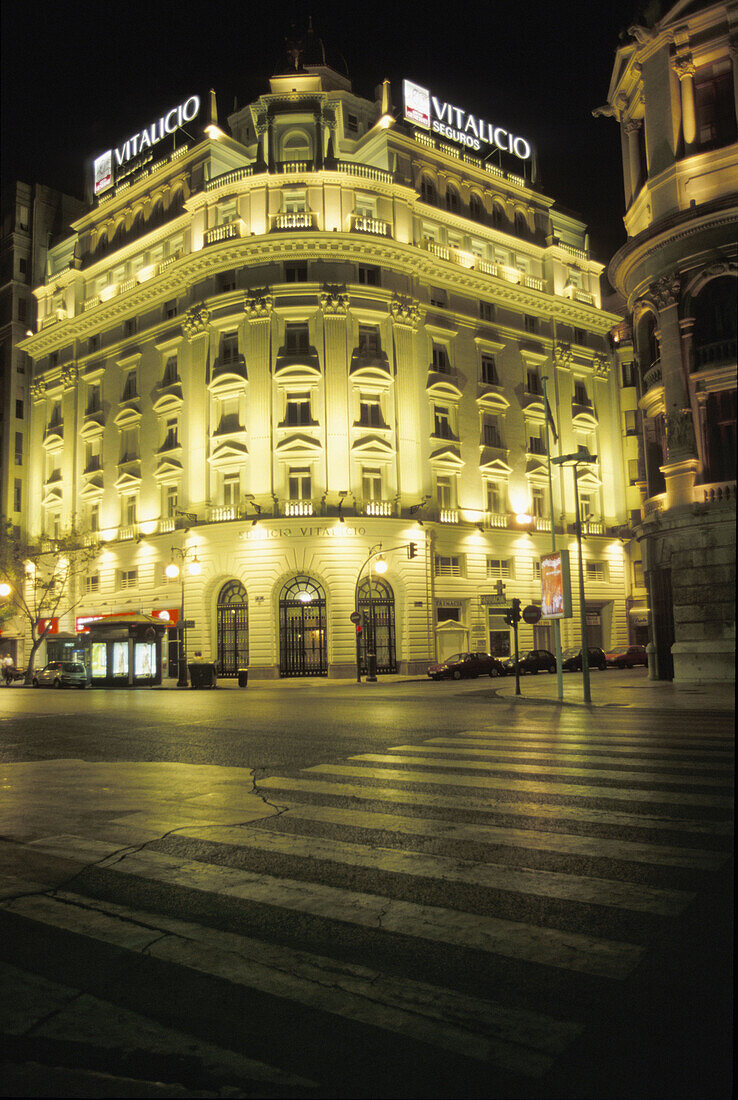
x: 456, y: 124
x: 105, y: 165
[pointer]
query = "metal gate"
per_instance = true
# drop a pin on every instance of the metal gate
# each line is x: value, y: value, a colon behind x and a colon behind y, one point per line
x: 379, y: 623
x: 662, y: 618
x: 302, y: 642
x: 233, y: 629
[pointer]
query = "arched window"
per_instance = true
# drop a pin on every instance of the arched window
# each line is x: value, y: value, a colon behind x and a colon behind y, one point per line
x: 427, y: 190
x: 521, y: 224
x: 715, y: 322
x: 297, y: 146
x: 476, y: 207
x: 498, y: 214
x: 302, y: 633
x: 646, y: 342
x: 452, y: 199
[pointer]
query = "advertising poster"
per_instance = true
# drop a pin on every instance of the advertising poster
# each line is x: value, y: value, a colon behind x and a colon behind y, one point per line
x: 555, y: 585
x: 417, y: 104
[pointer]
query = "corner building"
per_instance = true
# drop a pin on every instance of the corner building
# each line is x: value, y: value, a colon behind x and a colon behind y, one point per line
x: 277, y: 348
x: 675, y: 94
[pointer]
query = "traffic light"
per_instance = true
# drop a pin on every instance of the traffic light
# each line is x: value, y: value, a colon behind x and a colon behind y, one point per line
x: 512, y: 616
x: 412, y: 549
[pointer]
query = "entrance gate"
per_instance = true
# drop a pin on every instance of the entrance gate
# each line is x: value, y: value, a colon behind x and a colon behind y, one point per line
x: 302, y: 642
x: 233, y: 629
x: 379, y: 619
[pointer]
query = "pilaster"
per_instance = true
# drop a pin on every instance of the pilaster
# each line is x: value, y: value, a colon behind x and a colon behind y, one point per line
x: 258, y: 308
x: 684, y: 68
x: 406, y: 317
x: 334, y: 302
x: 196, y: 331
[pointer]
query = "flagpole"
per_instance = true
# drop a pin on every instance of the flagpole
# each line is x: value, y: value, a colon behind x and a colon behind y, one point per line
x: 549, y: 423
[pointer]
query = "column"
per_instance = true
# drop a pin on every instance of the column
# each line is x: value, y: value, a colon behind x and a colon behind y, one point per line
x: 406, y: 317
x: 334, y: 302
x: 195, y: 328
x: 632, y: 128
x: 733, y: 51
x: 258, y: 307
x: 681, y: 464
x: 684, y: 68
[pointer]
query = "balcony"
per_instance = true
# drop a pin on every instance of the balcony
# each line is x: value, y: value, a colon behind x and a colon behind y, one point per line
x: 652, y: 377
x: 296, y: 219
x: 448, y: 515
x: 298, y: 508
x: 223, y: 513
x: 717, y: 493
x: 130, y: 531
x: 718, y: 353
x: 290, y: 167
x: 221, y: 233
x: 542, y: 524
x: 589, y: 527
x: 497, y: 519
x: 228, y: 178
x: 364, y: 171
x: 575, y: 294
x: 360, y: 223
x: 378, y: 508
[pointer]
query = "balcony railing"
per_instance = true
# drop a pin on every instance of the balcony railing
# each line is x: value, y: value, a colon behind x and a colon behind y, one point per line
x: 577, y: 295
x: 652, y: 377
x: 360, y: 223
x: 221, y: 233
x: 719, y: 351
x: 717, y: 493
x: 298, y: 508
x: 364, y: 171
x: 471, y: 261
x: 222, y: 513
x: 130, y: 531
x: 654, y: 504
x: 497, y: 519
x: 378, y: 508
x: 542, y: 524
x: 448, y: 515
x: 229, y: 177
x: 298, y: 219
x: 291, y: 166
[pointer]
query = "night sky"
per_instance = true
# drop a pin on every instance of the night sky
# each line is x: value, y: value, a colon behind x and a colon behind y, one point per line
x: 78, y: 78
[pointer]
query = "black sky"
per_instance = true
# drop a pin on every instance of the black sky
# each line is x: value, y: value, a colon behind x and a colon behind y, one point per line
x: 77, y: 78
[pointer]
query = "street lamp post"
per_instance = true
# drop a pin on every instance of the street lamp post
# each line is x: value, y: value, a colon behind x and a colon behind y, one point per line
x: 575, y: 461
x: 173, y: 571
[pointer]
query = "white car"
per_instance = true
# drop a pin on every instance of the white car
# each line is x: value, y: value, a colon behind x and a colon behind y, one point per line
x: 60, y: 674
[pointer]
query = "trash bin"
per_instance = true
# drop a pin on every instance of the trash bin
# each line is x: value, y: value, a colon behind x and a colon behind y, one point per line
x: 202, y: 674
x: 243, y: 677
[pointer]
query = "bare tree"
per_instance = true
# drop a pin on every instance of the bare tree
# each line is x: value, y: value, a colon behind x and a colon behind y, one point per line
x: 44, y: 580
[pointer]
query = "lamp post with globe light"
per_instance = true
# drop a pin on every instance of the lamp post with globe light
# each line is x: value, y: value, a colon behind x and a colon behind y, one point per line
x: 173, y: 571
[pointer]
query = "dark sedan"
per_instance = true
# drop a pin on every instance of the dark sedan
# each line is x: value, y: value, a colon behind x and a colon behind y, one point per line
x: 627, y: 656
x: 460, y: 665
x: 571, y: 659
x: 534, y: 661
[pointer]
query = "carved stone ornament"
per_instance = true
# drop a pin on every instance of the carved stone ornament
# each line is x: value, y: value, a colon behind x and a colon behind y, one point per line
x: 680, y: 433
x: 259, y: 305
x: 683, y: 66
x: 601, y: 366
x: 334, y: 300
x: 633, y: 125
x: 665, y: 291
x: 195, y: 321
x: 563, y: 357
x: 405, y: 311
x: 69, y: 373
x: 38, y: 388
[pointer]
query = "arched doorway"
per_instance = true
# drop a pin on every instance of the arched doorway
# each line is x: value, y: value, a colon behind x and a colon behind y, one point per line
x: 233, y: 629
x: 379, y: 623
x: 302, y: 641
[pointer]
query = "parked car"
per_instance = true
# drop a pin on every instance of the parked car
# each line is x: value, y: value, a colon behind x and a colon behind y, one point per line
x: 60, y: 674
x: 571, y: 659
x: 466, y: 664
x: 535, y: 661
x: 627, y: 656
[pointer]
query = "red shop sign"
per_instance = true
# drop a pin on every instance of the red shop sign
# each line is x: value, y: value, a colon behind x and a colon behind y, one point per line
x: 167, y: 615
x: 53, y: 625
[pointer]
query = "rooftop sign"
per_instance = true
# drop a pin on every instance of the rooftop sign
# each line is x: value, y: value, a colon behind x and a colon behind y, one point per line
x: 428, y: 111
x: 108, y: 166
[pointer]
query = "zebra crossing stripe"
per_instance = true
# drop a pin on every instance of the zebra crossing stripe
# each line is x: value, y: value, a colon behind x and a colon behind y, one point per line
x: 534, y: 839
x: 510, y: 939
x: 530, y: 786
x: 691, y: 743
x: 449, y: 760
x: 471, y: 748
x: 549, y: 884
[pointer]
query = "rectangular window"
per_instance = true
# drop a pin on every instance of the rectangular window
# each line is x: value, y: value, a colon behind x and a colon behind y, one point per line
x: 494, y: 497
x: 296, y: 271
x: 128, y: 578
x: 370, y: 411
x: 128, y: 444
x: 369, y: 343
x: 298, y: 409
x: 170, y: 309
x: 231, y: 490
x: 489, y: 370
x: 297, y: 338
x: 638, y: 578
x: 92, y: 455
x: 93, y: 344
x: 229, y: 347
x: 171, y: 501
x: 492, y: 435
x: 371, y: 484
x: 442, y: 423
x: 171, y: 438
x: 19, y: 448
x: 580, y: 394
x: 440, y: 358
x: 499, y: 568
x: 129, y: 326
x: 536, y: 445
x: 130, y: 386
x: 369, y: 275
x: 538, y: 501
x: 487, y: 311
x: 22, y: 265
x: 631, y: 423
x: 448, y: 566
x: 628, y: 374
x: 93, y: 398
x: 171, y: 371
x: 445, y: 485
x: 533, y: 382
x: 596, y: 570
x: 18, y: 410
x: 130, y: 511
x: 448, y: 614
x: 633, y: 470
x: 580, y: 336
x: 715, y: 109
x: 225, y: 281
x: 352, y: 124
x: 530, y: 323
x: 94, y: 518
x: 585, y: 506
x: 299, y: 485
x: 22, y: 216
x: 92, y: 583
x: 438, y: 297
x: 17, y: 495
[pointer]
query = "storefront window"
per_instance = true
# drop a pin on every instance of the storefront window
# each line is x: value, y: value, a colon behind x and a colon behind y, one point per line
x: 99, y: 659
x: 145, y: 659
x: 120, y: 658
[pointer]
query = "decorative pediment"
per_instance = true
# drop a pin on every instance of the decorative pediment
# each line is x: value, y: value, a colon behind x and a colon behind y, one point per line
x: 493, y: 401
x: 54, y: 438
x: 169, y: 400
x: 589, y: 480
x: 372, y: 446
x: 585, y: 419
x: 495, y: 467
x: 92, y: 426
x: 294, y: 369
x: 442, y: 389
x: 536, y: 469
x: 299, y: 445
x: 52, y: 496
x: 228, y: 453
x: 373, y: 370
x: 128, y: 416
x: 168, y: 469
x: 533, y: 407
x: 447, y: 458
x: 93, y: 489
x: 532, y: 357
x: 128, y: 482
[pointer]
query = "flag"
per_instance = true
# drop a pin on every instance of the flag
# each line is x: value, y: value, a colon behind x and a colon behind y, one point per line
x: 551, y: 421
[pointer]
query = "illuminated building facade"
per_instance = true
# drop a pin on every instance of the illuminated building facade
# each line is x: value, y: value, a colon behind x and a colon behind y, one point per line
x: 276, y: 348
x: 673, y: 91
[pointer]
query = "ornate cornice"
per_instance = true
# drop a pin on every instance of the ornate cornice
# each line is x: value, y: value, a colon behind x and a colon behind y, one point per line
x: 406, y: 311
x: 38, y: 389
x: 259, y: 305
x: 601, y: 366
x: 334, y: 300
x: 195, y: 321
x: 563, y: 357
x: 69, y: 375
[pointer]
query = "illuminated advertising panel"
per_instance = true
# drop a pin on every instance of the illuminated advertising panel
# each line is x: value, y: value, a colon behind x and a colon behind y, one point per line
x: 555, y: 585
x: 422, y: 108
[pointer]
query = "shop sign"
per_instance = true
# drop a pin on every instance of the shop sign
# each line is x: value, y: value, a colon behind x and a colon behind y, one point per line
x: 167, y: 615
x: 83, y: 621
x: 106, y: 167
x: 493, y: 599
x: 555, y: 585
x: 259, y: 534
x: 53, y: 625
x: 458, y: 125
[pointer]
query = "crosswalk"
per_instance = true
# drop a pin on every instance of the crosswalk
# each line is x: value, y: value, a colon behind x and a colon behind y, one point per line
x: 453, y: 910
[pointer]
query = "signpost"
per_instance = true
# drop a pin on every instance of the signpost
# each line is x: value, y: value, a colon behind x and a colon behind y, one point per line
x: 531, y: 614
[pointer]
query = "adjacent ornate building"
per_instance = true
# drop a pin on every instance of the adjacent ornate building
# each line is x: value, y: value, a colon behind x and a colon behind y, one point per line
x: 267, y: 352
x: 673, y: 91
